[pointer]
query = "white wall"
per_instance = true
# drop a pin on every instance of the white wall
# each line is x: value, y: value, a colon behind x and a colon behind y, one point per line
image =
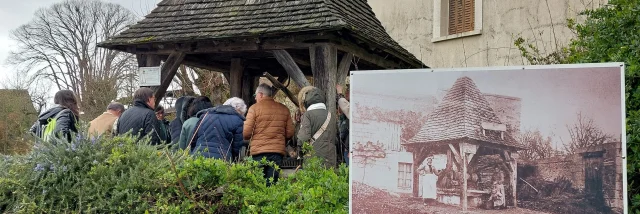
x: 410, y: 22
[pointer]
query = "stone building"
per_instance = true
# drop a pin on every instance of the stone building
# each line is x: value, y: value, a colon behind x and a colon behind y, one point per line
x: 475, y: 33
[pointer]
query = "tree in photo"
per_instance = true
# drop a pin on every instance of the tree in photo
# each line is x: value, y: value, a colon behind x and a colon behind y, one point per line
x: 539, y: 147
x: 59, y: 44
x: 584, y: 133
x: 368, y: 154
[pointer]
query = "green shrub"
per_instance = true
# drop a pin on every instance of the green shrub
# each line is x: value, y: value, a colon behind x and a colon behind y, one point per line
x: 120, y: 175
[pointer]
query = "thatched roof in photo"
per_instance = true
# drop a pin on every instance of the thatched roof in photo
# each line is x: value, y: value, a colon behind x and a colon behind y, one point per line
x: 175, y: 21
x: 460, y: 115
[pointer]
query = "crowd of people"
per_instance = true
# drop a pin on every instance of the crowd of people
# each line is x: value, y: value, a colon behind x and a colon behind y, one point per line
x: 222, y: 131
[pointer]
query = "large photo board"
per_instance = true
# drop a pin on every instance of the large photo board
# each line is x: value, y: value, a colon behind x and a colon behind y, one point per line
x: 529, y: 139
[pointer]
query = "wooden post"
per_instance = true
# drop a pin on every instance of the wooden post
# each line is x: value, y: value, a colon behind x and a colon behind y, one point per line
x: 168, y: 71
x: 289, y: 64
x: 235, y: 77
x: 248, y: 89
x: 324, y: 67
x: 463, y: 199
x: 514, y: 178
x: 343, y: 68
x: 279, y: 86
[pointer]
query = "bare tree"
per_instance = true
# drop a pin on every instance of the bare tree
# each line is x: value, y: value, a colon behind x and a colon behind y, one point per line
x: 538, y: 146
x: 210, y: 83
x: 368, y: 154
x: 59, y: 44
x: 584, y: 133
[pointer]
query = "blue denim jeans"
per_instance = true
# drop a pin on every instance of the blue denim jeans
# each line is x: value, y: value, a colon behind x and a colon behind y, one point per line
x: 346, y: 157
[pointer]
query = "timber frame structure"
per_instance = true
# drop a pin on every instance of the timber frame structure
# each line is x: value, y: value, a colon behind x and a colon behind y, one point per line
x: 243, y: 39
x: 466, y: 129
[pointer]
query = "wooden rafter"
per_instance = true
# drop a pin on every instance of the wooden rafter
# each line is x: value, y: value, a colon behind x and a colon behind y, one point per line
x: 169, y: 68
x: 285, y: 59
x: 279, y: 86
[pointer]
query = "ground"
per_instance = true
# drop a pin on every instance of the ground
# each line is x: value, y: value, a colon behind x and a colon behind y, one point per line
x: 367, y: 200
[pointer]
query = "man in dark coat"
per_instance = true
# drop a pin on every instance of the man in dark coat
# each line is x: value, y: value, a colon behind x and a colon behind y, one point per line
x: 220, y: 132
x: 182, y: 104
x: 140, y: 119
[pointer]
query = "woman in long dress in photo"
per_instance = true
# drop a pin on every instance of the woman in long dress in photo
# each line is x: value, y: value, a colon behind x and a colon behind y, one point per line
x: 428, y: 180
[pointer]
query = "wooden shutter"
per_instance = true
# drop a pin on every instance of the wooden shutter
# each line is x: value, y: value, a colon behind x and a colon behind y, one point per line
x: 461, y: 16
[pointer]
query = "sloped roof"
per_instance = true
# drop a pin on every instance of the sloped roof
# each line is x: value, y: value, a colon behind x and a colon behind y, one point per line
x: 189, y: 20
x: 460, y: 115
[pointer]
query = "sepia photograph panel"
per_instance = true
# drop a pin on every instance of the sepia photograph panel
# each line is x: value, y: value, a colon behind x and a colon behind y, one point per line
x: 501, y: 140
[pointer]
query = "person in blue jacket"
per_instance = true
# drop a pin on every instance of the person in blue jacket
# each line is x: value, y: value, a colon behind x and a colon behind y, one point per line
x: 220, y: 130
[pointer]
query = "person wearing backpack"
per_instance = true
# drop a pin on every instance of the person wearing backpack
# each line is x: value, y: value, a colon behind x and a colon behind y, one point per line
x: 59, y: 121
x: 318, y: 125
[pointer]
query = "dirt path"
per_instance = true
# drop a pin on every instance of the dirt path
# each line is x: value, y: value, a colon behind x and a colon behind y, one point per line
x: 367, y: 200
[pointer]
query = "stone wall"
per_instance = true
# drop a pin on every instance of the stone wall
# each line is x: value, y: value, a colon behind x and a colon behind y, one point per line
x: 572, y: 167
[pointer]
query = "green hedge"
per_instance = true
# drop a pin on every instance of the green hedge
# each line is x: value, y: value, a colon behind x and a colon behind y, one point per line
x: 118, y: 175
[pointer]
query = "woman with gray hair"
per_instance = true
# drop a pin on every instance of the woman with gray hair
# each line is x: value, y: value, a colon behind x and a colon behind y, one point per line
x: 219, y: 132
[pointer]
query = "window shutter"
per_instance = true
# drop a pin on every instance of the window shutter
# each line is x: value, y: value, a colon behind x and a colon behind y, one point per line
x: 461, y: 16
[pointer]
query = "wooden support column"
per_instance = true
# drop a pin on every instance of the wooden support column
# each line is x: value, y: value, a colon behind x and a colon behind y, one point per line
x: 467, y: 151
x: 419, y: 154
x: 289, y: 64
x: 249, y: 84
x: 168, y: 71
x: 514, y: 178
x: 343, y: 68
x: 235, y: 77
x: 463, y: 199
x: 324, y: 67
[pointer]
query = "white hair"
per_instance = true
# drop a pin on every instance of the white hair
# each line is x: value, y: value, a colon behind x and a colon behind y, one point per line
x: 265, y: 89
x: 237, y: 104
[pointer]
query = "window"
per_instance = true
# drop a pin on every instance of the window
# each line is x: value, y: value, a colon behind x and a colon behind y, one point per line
x: 461, y: 17
x: 404, y: 175
x: 456, y: 18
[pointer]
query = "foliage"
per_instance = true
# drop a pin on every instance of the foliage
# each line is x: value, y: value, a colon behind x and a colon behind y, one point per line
x: 585, y: 134
x: 60, y: 45
x: 610, y: 34
x: 18, y: 116
x: 120, y: 175
x: 538, y: 146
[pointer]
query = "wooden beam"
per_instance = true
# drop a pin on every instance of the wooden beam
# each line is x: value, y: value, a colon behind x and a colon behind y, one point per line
x: 142, y: 60
x: 279, y: 86
x: 248, y: 88
x: 324, y: 67
x: 343, y: 68
x: 235, y: 78
x: 514, y: 179
x: 456, y: 155
x: 169, y: 70
x: 361, y: 53
x: 463, y: 199
x: 285, y: 59
x: 206, y: 65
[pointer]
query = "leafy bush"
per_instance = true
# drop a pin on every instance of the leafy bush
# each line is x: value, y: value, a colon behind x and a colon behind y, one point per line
x: 120, y: 175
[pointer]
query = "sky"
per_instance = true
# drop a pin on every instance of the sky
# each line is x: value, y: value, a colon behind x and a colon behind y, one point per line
x: 16, y: 13
x: 550, y: 99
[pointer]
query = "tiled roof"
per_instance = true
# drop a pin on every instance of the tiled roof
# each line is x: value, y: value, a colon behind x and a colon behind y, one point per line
x: 460, y: 115
x: 188, y: 20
